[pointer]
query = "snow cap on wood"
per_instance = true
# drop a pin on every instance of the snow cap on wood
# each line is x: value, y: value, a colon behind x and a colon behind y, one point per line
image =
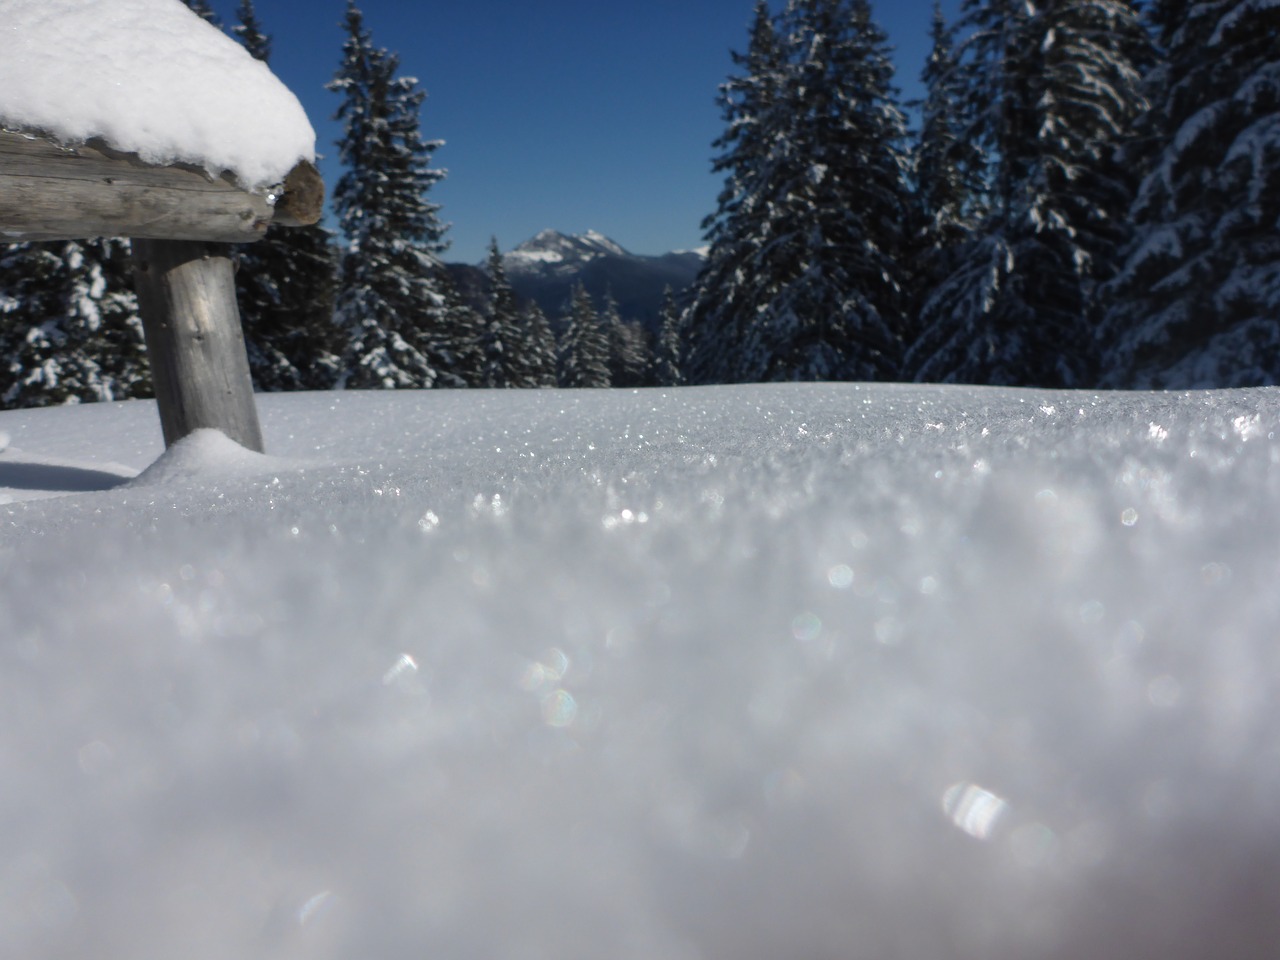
x: 151, y: 78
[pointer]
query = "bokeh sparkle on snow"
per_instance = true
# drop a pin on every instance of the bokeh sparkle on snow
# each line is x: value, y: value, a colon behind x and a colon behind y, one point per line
x: 774, y: 671
x: 152, y: 78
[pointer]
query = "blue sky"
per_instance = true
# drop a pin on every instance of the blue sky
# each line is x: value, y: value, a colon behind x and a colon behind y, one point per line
x: 564, y: 114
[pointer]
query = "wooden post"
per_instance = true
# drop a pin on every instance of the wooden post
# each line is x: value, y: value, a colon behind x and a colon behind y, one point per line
x: 199, y: 367
x: 185, y: 281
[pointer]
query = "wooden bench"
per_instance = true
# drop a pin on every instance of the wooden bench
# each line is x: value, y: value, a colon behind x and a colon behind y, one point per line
x: 180, y: 221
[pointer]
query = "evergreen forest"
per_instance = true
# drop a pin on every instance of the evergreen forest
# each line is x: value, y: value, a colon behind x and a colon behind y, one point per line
x: 1086, y: 196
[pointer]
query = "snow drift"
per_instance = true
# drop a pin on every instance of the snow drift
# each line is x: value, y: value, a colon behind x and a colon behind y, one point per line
x: 779, y: 671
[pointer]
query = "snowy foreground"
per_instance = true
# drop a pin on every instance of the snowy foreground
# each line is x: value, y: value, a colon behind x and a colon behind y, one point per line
x: 761, y: 672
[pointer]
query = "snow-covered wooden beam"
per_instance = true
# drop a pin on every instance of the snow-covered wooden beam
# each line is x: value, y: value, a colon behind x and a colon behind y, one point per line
x: 180, y: 220
x: 52, y: 192
x: 84, y: 98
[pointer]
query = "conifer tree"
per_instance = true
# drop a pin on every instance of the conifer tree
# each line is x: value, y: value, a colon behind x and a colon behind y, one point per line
x: 454, y: 335
x: 747, y: 104
x: 202, y: 9
x: 666, y: 354
x: 1052, y: 91
x: 538, y: 356
x: 1197, y: 303
x: 502, y: 298
x: 720, y: 312
x: 527, y: 357
x: 949, y: 198
x: 69, y: 327
x: 627, y: 346
x: 285, y: 287
x: 804, y: 277
x: 498, y: 344
x: 584, y: 360
x: 249, y: 32
x: 285, y: 283
x: 120, y: 345
x: 391, y: 316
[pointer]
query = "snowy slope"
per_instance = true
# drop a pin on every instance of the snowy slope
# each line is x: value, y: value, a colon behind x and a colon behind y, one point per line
x: 746, y: 672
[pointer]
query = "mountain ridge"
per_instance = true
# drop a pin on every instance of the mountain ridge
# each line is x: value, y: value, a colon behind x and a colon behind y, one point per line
x: 545, y: 268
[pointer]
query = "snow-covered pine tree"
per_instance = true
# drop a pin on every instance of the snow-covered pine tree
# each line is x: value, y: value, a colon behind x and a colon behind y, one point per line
x: 950, y: 198
x: 455, y: 336
x: 803, y: 281
x: 1052, y: 91
x: 285, y: 283
x: 667, y: 351
x: 69, y: 328
x: 1197, y: 303
x: 502, y: 298
x: 202, y: 9
x: 527, y: 357
x: 285, y: 287
x: 498, y: 346
x: 629, y: 351
x: 392, y: 319
x: 248, y: 30
x: 584, y: 357
x: 124, y: 367
x: 538, y: 355
x: 717, y: 314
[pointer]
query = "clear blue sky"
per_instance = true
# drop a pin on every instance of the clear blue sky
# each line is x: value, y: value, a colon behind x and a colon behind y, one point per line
x: 563, y: 114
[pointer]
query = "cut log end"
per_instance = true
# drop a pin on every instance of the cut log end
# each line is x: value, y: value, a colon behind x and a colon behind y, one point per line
x: 302, y: 202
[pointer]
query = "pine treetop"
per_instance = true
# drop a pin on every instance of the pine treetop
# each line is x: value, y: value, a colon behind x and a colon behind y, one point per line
x: 249, y: 32
x: 391, y: 310
x: 202, y: 9
x: 808, y: 240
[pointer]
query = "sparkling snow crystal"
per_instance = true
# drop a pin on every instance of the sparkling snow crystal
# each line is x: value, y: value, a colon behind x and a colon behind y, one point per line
x: 148, y: 77
x: 781, y: 672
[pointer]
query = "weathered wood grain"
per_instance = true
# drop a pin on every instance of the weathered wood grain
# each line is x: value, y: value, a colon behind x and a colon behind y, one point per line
x: 50, y: 192
x: 199, y: 367
x: 178, y: 217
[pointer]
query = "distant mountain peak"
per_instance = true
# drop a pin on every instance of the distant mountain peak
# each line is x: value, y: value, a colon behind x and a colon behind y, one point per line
x: 545, y: 268
x: 604, y: 243
x: 553, y: 250
x: 701, y: 252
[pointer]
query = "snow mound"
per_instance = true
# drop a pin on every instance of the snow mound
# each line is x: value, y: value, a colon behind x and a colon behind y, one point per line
x: 762, y: 671
x: 204, y: 456
x: 152, y: 78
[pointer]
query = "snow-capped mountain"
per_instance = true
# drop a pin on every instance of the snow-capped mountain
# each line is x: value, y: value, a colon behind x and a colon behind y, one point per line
x: 545, y: 268
x: 554, y: 252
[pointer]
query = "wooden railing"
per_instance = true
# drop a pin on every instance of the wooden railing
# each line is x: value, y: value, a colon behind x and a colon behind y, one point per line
x: 180, y: 221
